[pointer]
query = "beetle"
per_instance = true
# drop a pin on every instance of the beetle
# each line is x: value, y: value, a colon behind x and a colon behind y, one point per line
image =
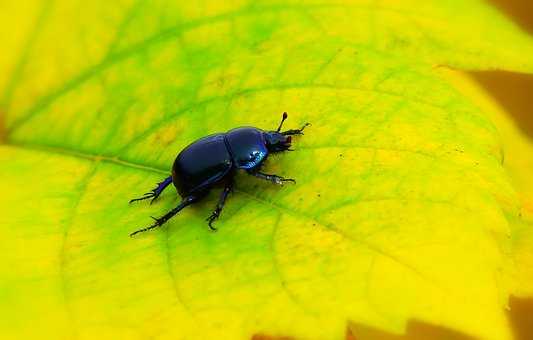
x: 214, y: 159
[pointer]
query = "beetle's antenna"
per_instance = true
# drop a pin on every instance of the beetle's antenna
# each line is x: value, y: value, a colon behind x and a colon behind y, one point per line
x: 282, y: 120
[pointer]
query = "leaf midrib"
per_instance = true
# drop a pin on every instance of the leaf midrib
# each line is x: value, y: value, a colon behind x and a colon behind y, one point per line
x: 280, y: 208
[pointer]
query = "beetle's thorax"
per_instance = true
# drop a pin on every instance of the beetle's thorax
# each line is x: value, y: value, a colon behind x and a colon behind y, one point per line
x: 247, y: 147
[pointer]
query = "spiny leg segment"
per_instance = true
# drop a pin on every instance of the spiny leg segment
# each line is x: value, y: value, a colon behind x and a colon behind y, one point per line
x: 161, y: 220
x: 154, y: 193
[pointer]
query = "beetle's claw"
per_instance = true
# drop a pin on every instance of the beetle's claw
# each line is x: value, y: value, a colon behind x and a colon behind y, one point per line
x: 280, y: 180
x: 144, y: 196
x: 155, y: 225
x: 303, y: 127
x: 211, y: 219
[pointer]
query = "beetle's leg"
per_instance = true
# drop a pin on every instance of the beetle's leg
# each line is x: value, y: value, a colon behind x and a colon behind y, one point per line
x: 295, y: 131
x: 155, y: 192
x: 220, y: 205
x: 272, y: 178
x: 161, y: 220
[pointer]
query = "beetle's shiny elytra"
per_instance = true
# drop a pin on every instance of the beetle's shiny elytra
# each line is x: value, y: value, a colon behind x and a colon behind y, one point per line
x: 214, y: 159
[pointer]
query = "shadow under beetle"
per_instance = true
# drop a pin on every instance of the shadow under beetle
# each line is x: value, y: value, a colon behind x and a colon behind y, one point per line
x: 212, y: 160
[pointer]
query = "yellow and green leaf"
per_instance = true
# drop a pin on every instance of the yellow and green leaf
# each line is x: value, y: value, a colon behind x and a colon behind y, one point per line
x: 406, y: 207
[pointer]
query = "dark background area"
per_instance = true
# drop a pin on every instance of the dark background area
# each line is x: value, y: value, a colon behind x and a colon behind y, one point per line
x: 513, y: 90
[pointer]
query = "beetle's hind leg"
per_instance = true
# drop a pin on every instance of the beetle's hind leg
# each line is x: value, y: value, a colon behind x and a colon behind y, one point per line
x: 163, y: 219
x: 220, y: 205
x: 154, y: 193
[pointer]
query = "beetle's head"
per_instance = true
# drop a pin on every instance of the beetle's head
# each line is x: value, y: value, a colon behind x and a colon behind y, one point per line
x: 276, y: 141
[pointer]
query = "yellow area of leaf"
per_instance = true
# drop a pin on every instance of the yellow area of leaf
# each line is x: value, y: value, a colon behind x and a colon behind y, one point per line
x: 402, y: 209
x: 518, y: 164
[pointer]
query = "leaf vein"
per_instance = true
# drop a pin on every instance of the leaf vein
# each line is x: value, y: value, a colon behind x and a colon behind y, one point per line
x: 279, y: 273
x: 333, y: 228
x: 278, y: 87
x: 166, y: 35
x: 82, y: 188
x: 25, y: 54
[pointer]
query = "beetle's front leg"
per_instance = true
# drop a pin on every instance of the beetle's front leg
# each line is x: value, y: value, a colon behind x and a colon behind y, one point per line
x: 295, y: 131
x: 272, y: 178
x: 220, y: 205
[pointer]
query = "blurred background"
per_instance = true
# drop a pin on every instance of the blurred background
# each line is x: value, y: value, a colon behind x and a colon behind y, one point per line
x: 513, y: 90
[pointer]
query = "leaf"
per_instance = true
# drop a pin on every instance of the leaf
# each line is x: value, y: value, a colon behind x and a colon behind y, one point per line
x: 518, y: 162
x: 402, y: 209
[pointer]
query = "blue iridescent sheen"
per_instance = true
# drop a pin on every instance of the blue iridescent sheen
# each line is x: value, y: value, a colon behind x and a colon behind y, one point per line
x: 247, y: 147
x: 214, y: 159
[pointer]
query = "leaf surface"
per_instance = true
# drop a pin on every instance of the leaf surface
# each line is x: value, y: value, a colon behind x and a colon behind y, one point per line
x: 402, y: 209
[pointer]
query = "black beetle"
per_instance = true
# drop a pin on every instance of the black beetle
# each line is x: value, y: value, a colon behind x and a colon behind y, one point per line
x: 213, y: 160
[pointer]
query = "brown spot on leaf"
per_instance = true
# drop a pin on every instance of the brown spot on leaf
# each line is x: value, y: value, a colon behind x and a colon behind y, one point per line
x: 520, y: 11
x: 416, y: 330
x: 270, y: 337
x: 3, y: 136
x: 513, y: 92
x: 520, y: 316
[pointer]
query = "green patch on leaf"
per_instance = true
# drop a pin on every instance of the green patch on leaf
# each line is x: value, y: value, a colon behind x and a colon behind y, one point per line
x: 402, y: 209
